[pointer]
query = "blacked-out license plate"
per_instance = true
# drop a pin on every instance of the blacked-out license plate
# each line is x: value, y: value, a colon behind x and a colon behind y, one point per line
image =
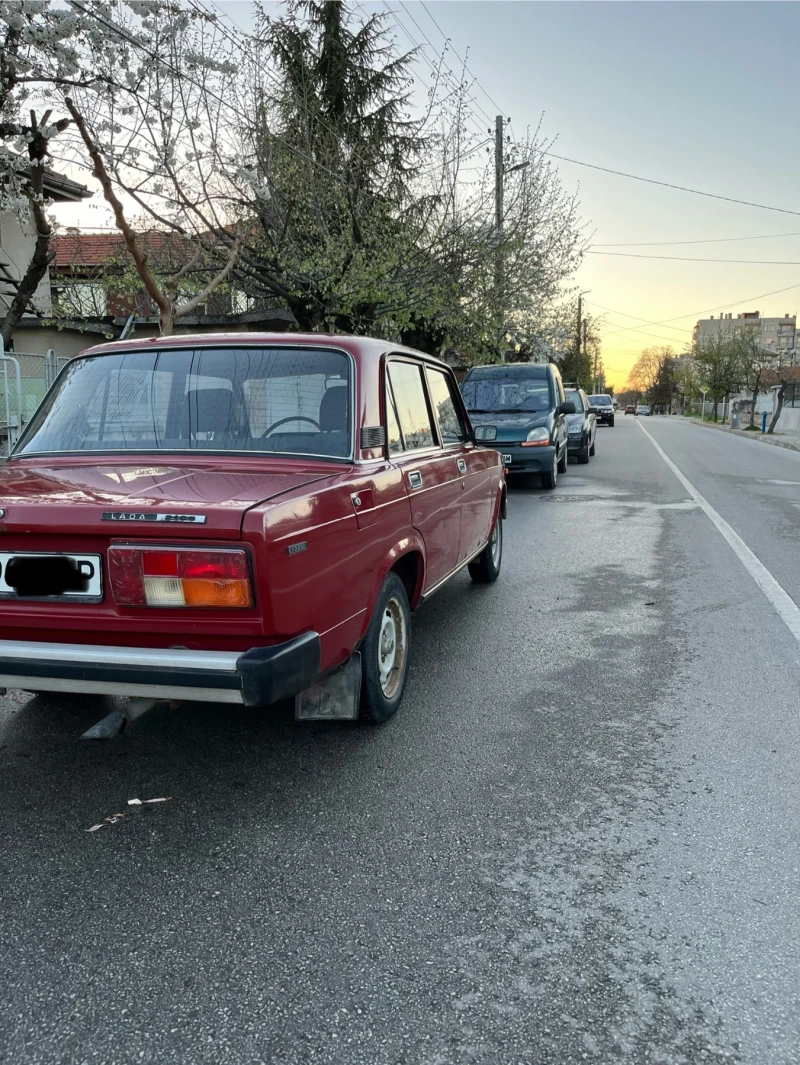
x: 43, y: 575
x: 506, y: 460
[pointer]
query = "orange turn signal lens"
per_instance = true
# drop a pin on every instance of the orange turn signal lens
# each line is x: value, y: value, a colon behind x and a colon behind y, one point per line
x: 200, y: 592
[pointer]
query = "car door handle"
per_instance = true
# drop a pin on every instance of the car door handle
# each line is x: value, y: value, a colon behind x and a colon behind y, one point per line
x: 415, y: 479
x: 462, y: 466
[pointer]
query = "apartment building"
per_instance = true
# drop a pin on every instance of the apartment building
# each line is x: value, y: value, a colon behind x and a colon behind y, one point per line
x: 776, y: 335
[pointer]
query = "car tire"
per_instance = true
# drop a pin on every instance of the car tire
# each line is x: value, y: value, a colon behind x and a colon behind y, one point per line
x: 584, y: 453
x: 563, y: 462
x: 385, y: 653
x: 485, y: 569
x: 591, y: 449
x: 550, y: 480
x: 611, y: 423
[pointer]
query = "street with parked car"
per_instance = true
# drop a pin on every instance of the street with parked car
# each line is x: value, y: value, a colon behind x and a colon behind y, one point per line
x: 230, y: 559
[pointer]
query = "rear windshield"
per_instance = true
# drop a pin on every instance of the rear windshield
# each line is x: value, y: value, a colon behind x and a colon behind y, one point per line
x: 497, y: 394
x: 600, y: 401
x: 293, y: 401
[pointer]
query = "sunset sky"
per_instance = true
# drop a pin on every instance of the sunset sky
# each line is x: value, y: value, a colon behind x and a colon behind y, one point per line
x: 702, y: 95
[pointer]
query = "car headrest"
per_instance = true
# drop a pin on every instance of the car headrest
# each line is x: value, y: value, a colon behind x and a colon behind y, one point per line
x: 209, y: 410
x: 333, y: 410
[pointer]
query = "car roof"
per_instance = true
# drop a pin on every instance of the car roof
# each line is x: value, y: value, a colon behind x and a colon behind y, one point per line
x: 512, y: 369
x: 369, y: 347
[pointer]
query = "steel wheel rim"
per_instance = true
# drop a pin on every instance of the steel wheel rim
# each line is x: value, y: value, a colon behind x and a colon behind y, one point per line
x: 392, y: 647
x: 495, y: 543
x: 555, y: 467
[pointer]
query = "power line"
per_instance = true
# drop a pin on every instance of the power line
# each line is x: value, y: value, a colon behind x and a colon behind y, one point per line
x: 708, y: 310
x: 684, y: 259
x: 711, y: 240
x: 446, y: 72
x: 491, y: 100
x: 635, y: 317
x: 669, y: 185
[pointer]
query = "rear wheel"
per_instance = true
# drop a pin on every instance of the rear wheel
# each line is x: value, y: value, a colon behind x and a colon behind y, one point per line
x: 384, y: 653
x: 485, y: 569
x: 550, y: 480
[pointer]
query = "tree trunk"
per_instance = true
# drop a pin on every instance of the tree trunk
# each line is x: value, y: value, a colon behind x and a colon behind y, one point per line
x: 166, y: 319
x: 714, y: 410
x: 753, y: 409
x: 778, y: 409
x: 33, y: 276
x: 42, y: 255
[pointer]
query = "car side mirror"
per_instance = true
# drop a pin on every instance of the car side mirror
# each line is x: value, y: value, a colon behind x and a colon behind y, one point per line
x: 566, y: 408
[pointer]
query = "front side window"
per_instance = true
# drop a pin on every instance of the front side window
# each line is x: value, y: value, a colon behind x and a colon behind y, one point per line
x: 284, y: 400
x: 495, y: 393
x: 574, y: 396
x: 450, y: 424
x: 412, y: 406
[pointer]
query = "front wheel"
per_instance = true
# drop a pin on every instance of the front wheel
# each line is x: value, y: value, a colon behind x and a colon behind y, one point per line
x: 485, y: 569
x: 584, y: 453
x: 611, y: 423
x: 591, y: 449
x: 562, y: 462
x: 550, y: 479
x: 385, y: 653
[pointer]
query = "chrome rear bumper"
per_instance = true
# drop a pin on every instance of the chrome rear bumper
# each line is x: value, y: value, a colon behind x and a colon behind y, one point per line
x: 257, y: 677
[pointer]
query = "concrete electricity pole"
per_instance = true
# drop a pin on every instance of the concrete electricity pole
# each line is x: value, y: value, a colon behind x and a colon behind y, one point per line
x: 498, y: 227
x: 499, y: 278
x: 585, y: 292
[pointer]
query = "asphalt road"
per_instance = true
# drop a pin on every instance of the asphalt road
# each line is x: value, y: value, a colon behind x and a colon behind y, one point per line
x: 577, y: 841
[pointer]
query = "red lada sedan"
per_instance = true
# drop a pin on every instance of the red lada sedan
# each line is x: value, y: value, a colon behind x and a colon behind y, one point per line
x: 231, y: 518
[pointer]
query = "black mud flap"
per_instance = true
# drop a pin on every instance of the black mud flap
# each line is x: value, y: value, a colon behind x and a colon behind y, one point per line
x: 335, y: 698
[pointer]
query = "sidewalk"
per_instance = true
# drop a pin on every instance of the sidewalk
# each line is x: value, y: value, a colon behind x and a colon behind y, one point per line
x: 787, y: 440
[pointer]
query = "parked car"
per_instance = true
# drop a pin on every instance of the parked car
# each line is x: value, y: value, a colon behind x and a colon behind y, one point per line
x: 643, y: 409
x: 231, y: 518
x: 521, y: 409
x: 581, y: 426
x: 603, y: 409
x: 630, y: 408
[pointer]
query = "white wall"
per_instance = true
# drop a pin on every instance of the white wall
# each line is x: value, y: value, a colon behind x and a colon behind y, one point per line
x: 16, y: 248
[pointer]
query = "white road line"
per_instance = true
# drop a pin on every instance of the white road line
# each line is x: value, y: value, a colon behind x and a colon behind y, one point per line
x: 783, y: 603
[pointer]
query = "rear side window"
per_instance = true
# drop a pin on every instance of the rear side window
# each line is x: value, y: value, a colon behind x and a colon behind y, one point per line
x: 450, y: 424
x: 412, y: 406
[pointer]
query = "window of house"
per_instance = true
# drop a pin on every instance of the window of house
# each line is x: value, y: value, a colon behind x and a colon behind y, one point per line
x: 83, y: 299
x: 412, y: 406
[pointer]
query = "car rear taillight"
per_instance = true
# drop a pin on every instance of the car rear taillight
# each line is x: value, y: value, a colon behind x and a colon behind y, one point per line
x: 179, y: 577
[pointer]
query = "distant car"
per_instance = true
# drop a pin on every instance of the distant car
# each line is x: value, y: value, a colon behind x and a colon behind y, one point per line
x: 630, y: 409
x: 520, y: 409
x: 581, y: 426
x: 603, y: 409
x: 643, y: 409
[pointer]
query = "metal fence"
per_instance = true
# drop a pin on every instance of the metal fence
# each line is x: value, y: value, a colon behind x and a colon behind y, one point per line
x: 24, y: 379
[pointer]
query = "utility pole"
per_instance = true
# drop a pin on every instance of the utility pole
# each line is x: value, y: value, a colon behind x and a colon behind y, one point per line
x: 498, y: 227
x: 580, y: 320
x: 585, y: 344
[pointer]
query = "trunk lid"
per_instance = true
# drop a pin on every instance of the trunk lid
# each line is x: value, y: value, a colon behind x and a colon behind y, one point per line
x: 188, y: 500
